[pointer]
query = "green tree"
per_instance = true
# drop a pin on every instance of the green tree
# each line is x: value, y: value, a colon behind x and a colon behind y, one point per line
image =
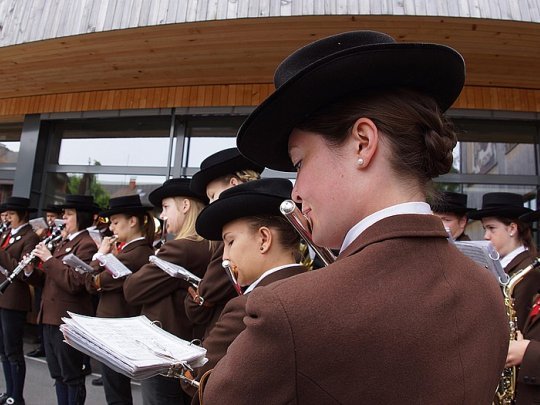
x: 87, y: 184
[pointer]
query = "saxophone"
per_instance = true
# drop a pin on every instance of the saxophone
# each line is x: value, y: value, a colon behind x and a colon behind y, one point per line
x: 506, y: 390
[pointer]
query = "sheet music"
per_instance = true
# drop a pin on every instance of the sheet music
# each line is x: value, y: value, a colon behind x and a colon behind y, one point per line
x: 77, y: 264
x: 175, y: 270
x: 114, y: 266
x: 134, y: 346
x: 483, y: 253
x: 38, y: 223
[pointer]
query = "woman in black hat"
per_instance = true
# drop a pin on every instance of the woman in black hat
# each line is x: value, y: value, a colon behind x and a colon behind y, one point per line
x: 16, y: 301
x: 132, y: 226
x: 512, y: 238
x: 65, y: 290
x: 390, y: 321
x: 161, y: 296
x: 452, y: 209
x: 219, y: 172
x: 260, y: 244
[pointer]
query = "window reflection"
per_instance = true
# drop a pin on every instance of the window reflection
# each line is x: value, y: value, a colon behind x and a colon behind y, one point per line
x: 9, y: 152
x: 102, y: 187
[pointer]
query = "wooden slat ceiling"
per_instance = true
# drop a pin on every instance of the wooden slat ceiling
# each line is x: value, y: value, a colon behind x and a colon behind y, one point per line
x: 497, y: 53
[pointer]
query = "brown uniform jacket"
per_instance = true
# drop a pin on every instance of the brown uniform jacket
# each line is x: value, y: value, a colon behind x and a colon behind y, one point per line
x: 64, y: 289
x: 231, y: 321
x: 112, y: 303
x: 528, y: 381
x: 216, y: 289
x: 397, y: 319
x: 17, y: 295
x: 162, y: 296
x: 526, y: 289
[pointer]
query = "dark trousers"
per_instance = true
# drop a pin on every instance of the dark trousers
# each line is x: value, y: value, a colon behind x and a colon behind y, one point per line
x: 65, y: 366
x: 117, y: 387
x: 161, y: 390
x: 11, y: 351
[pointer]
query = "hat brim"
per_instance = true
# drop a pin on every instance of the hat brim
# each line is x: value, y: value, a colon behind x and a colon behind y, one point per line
x: 125, y: 210
x: 201, y: 179
x: 459, y: 210
x: 17, y: 208
x: 505, y: 212
x: 157, y: 196
x: 81, y: 207
x: 530, y: 216
x: 215, y: 216
x: 435, y: 70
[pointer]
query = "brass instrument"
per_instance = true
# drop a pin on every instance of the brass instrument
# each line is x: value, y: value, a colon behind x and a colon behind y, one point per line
x: 289, y: 209
x: 55, y: 237
x: 506, y: 390
x: 232, y: 272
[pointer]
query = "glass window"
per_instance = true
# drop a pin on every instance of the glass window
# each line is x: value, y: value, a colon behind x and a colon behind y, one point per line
x: 10, y: 136
x: 101, y: 186
x: 495, y: 147
x: 206, y: 136
x: 140, y: 141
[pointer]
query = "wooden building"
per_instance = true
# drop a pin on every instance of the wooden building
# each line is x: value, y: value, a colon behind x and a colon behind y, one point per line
x: 112, y: 91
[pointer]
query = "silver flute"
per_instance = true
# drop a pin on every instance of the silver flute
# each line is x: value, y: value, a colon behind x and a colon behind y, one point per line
x: 298, y: 220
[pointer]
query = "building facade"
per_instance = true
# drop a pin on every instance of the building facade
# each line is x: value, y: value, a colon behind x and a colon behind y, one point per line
x: 113, y: 97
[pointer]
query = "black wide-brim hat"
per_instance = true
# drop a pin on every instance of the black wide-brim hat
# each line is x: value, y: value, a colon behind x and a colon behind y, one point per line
x: 451, y: 202
x: 506, y: 205
x: 53, y: 208
x: 129, y: 204
x: 335, y: 67
x: 79, y: 202
x: 178, y: 187
x: 17, y: 204
x: 228, y: 161
x: 257, y: 197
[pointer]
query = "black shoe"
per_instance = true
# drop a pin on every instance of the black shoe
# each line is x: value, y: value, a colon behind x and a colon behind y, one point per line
x: 97, y: 381
x: 38, y: 352
x: 3, y: 397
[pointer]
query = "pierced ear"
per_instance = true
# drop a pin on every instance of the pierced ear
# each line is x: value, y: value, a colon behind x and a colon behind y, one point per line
x: 265, y: 236
x: 234, y: 181
x: 365, y: 136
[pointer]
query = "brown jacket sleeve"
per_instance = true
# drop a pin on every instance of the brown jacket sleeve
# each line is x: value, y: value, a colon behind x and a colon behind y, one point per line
x: 150, y: 283
x: 215, y: 288
x: 239, y: 375
x: 63, y: 276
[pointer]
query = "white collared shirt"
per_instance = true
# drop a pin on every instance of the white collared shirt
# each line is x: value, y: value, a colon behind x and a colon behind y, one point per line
x: 398, y: 209
x: 14, y: 231
x: 505, y: 261
x: 266, y: 274
x: 74, y: 235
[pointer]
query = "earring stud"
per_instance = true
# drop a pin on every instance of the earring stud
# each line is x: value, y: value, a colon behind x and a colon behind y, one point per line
x: 360, y: 161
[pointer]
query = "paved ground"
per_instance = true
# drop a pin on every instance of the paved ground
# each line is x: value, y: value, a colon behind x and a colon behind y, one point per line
x: 39, y: 388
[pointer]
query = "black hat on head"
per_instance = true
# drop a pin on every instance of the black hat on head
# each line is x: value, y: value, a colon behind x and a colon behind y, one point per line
x: 178, y: 187
x: 129, y: 204
x: 219, y: 164
x: 335, y: 67
x: 80, y: 202
x: 17, y: 204
x: 452, y: 202
x: 53, y: 208
x: 507, y: 205
x: 258, y: 197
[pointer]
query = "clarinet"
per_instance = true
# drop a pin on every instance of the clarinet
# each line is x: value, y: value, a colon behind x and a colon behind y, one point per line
x: 4, y: 227
x: 50, y: 241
